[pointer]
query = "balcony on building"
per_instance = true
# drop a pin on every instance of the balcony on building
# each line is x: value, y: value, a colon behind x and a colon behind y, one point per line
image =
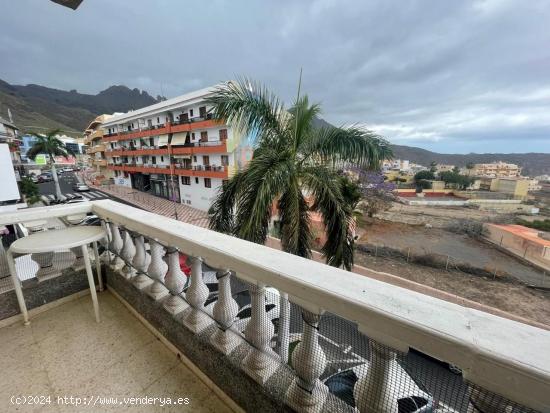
x: 237, y: 326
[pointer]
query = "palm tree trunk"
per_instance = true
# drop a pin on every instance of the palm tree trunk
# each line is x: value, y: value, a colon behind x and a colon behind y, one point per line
x: 58, y: 193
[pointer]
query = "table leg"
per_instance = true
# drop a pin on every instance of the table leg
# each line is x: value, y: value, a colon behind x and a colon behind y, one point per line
x: 98, y: 266
x: 91, y: 280
x: 17, y: 286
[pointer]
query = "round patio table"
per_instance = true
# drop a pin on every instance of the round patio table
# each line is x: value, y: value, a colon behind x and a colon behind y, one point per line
x: 49, y: 241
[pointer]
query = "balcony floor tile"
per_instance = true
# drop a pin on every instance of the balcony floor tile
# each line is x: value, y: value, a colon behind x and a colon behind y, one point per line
x: 65, y: 352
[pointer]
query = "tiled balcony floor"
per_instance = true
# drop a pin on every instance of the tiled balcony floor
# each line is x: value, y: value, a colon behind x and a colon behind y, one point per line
x: 65, y: 352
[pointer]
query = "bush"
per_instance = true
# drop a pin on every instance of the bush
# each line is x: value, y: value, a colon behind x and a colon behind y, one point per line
x: 543, y: 225
x: 30, y: 190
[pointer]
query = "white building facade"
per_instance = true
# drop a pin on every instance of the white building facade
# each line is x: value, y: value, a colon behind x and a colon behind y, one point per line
x: 174, y: 149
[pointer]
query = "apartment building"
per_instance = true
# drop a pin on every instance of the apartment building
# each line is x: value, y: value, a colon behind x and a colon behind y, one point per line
x: 495, y: 170
x: 174, y: 149
x: 93, y: 139
x: 9, y: 134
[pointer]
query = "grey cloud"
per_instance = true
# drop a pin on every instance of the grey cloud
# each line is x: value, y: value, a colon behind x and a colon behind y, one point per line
x: 449, y: 76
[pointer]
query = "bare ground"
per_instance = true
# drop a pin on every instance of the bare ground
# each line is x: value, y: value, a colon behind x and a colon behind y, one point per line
x: 513, y: 297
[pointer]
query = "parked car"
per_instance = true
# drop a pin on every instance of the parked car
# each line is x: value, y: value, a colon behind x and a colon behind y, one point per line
x: 90, y: 220
x: 409, y: 396
x: 67, y: 169
x: 46, y: 177
x: 81, y: 187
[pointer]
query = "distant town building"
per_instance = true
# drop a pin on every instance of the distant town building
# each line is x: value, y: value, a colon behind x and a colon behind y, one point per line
x: 174, y: 149
x: 27, y: 142
x: 516, y: 188
x: 396, y: 165
x: 543, y: 178
x: 443, y: 168
x: 495, y: 170
x: 533, y: 185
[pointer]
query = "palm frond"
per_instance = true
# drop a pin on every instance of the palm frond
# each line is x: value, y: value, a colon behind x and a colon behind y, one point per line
x: 249, y: 107
x: 35, y: 150
x: 325, y: 186
x: 221, y: 213
x: 263, y: 181
x: 296, y: 235
x: 347, y: 146
x: 303, y: 117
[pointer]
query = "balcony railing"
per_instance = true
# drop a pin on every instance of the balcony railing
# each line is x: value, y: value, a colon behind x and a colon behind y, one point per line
x: 318, y: 337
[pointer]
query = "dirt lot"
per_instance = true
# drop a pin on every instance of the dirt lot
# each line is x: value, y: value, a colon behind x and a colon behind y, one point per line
x: 460, y: 248
x: 513, y: 297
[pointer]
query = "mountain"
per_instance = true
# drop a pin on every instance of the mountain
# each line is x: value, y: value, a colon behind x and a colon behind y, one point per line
x: 533, y: 163
x: 36, y: 107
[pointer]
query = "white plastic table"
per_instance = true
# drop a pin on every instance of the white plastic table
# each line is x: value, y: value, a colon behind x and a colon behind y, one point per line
x: 55, y: 240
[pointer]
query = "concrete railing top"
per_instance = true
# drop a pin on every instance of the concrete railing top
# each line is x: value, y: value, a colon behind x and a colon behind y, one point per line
x: 501, y: 355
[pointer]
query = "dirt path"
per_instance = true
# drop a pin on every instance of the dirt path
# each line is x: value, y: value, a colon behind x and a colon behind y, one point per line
x: 514, y: 298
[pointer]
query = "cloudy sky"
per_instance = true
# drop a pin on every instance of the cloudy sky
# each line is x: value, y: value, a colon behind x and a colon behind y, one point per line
x: 450, y: 76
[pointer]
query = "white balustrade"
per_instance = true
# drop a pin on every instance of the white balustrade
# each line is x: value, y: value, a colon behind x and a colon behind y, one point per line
x: 175, y: 282
x: 224, y: 312
x: 78, y: 263
x: 261, y: 361
x: 127, y: 253
x: 284, y: 326
x: 194, y: 318
x: 116, y: 246
x: 157, y: 271
x: 46, y: 268
x: 141, y: 262
x: 307, y: 392
x: 106, y: 242
x: 376, y: 390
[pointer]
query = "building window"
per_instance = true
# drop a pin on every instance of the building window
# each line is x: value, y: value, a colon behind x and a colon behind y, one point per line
x: 162, y: 158
x: 204, y: 136
x: 186, y: 180
x: 193, y: 135
x: 191, y: 112
x: 151, y: 141
x: 202, y: 111
x: 153, y: 160
x: 207, y: 183
x: 196, y: 180
x: 223, y: 134
x: 194, y: 158
x: 158, y: 120
x: 206, y: 160
x: 225, y: 160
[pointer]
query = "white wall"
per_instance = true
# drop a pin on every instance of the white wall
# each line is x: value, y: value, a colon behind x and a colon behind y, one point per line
x: 9, y: 190
x: 200, y: 196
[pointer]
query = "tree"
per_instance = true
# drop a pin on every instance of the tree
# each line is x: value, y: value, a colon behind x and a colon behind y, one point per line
x: 295, y: 167
x: 455, y: 179
x: 422, y: 178
x: 470, y: 165
x: 51, y: 146
x: 376, y: 193
x: 433, y: 166
x: 30, y: 190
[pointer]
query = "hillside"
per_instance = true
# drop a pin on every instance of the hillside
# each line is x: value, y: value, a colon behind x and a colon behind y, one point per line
x: 35, y: 106
x: 533, y: 163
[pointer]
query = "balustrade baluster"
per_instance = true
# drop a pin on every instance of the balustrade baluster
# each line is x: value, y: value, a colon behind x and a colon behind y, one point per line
x: 224, y: 312
x: 194, y: 317
x: 157, y: 271
x: 261, y: 361
x: 78, y: 263
x: 284, y: 326
x: 127, y: 253
x: 115, y: 246
x: 375, y: 392
x: 141, y: 262
x: 175, y: 282
x: 307, y: 392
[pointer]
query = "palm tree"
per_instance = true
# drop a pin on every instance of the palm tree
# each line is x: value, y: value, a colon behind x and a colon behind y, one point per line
x: 51, y: 146
x: 296, y: 166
